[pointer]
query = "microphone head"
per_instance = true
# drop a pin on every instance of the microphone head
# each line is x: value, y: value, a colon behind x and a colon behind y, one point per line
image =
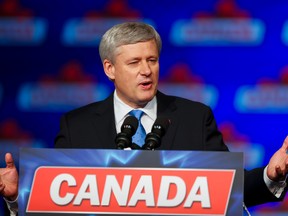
x: 160, y: 126
x: 128, y: 129
x: 129, y: 126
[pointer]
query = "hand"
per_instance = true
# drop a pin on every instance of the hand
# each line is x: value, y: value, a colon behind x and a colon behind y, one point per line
x: 9, y: 179
x: 278, y: 164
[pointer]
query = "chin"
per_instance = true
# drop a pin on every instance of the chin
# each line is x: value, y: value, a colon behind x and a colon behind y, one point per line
x: 144, y: 101
x: 145, y: 96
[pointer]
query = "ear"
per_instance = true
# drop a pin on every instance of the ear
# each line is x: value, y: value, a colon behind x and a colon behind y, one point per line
x: 109, y: 69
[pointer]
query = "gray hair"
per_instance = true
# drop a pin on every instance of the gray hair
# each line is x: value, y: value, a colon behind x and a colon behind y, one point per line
x: 124, y: 34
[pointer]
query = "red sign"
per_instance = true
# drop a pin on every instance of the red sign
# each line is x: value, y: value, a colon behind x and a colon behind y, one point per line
x: 166, y: 191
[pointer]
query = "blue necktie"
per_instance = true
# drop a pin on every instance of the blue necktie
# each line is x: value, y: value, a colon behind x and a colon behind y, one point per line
x: 139, y: 136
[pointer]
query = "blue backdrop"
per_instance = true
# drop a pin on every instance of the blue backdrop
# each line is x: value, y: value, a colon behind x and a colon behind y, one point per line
x: 228, y: 54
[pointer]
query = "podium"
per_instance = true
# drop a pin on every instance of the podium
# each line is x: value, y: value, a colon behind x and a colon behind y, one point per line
x: 136, y: 182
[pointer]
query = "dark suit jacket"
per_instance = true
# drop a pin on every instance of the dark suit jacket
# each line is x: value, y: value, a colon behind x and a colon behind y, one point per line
x: 193, y: 127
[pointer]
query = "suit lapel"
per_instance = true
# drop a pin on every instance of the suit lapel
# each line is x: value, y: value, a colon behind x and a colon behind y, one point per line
x: 104, y: 121
x: 166, y: 107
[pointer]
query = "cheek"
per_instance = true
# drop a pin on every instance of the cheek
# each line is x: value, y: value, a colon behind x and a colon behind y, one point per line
x: 125, y: 80
x: 156, y: 74
x: 155, y: 69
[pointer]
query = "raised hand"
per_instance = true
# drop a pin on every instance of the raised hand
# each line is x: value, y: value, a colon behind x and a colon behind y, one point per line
x: 9, y: 179
x: 278, y: 164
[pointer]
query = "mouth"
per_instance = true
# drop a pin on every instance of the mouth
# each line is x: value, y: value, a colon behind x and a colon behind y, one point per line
x: 146, y: 84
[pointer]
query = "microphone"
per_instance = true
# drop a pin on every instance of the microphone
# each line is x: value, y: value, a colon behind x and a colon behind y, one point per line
x: 159, y: 128
x: 128, y: 129
x: 134, y: 146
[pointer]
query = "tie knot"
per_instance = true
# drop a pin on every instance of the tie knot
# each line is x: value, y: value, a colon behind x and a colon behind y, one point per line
x: 137, y: 113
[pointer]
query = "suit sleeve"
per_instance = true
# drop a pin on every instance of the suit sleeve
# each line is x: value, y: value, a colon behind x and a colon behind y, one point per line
x: 62, y: 138
x: 212, y: 136
x: 255, y: 189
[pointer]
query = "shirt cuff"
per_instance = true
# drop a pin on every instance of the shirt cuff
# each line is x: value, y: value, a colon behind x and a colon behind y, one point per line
x: 275, y: 188
x: 12, y: 206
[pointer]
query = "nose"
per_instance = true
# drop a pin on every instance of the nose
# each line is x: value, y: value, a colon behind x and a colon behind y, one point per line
x: 145, y: 68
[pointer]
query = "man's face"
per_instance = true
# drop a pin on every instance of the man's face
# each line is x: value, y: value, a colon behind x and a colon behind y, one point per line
x: 135, y: 72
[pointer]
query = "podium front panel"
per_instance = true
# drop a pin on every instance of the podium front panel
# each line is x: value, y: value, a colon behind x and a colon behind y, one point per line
x: 136, y: 182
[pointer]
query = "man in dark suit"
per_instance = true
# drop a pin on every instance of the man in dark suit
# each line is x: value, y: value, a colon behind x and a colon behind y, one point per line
x: 192, y: 127
x: 130, y: 56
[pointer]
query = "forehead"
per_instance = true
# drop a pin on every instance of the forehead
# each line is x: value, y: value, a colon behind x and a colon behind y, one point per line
x: 140, y: 48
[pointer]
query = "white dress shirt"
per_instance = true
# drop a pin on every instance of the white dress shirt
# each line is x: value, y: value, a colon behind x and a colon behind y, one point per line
x: 121, y: 111
x: 12, y: 206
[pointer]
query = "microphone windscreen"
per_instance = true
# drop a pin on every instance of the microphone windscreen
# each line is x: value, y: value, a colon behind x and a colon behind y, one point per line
x: 129, y: 125
x: 160, y: 126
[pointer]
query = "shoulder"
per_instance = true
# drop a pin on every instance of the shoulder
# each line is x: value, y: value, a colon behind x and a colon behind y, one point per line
x: 98, y: 107
x: 181, y: 103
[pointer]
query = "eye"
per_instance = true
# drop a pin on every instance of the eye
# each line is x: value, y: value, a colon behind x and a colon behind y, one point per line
x: 133, y: 62
x: 153, y: 60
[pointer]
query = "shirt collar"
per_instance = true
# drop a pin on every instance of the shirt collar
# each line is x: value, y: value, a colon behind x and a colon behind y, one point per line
x: 121, y: 109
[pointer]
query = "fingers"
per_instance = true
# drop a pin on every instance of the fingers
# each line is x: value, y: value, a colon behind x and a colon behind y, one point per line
x: 285, y: 144
x: 2, y: 186
x: 9, y: 160
x: 280, y: 173
x: 286, y: 166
